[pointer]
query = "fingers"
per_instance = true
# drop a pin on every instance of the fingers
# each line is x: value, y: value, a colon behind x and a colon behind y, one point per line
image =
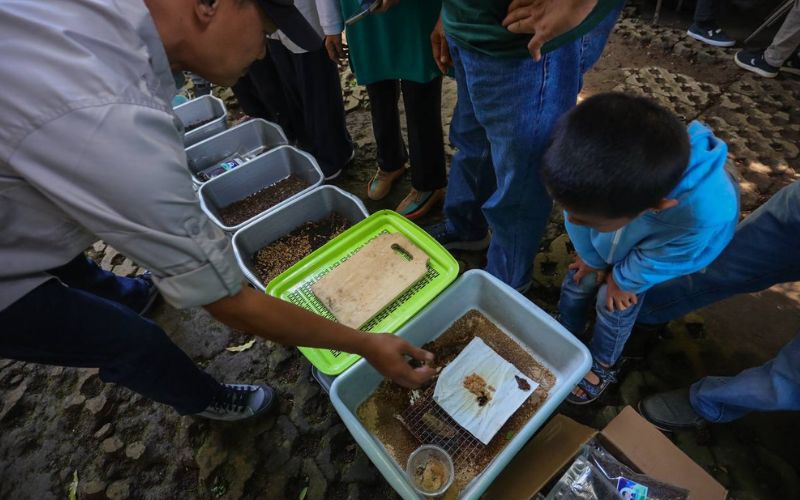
x: 536, y: 44
x: 414, y: 378
x: 515, y: 16
x: 340, y: 50
x: 418, y: 353
x: 331, y: 49
x: 516, y: 4
x: 579, y: 274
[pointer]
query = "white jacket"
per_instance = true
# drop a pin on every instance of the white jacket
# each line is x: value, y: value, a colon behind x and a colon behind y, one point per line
x: 323, y: 15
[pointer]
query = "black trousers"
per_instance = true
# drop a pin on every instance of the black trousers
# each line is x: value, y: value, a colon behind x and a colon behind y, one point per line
x: 92, y: 323
x: 423, y: 106
x: 314, y: 95
x: 260, y: 94
x: 708, y: 10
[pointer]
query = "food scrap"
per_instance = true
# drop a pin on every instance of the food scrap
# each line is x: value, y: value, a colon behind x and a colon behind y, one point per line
x: 437, y: 426
x: 432, y: 475
x: 475, y: 384
x: 522, y: 383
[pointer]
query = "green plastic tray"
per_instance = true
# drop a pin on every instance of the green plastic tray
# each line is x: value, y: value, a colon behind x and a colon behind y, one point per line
x: 294, y: 284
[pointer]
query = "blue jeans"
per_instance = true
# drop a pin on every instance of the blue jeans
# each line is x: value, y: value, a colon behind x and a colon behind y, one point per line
x: 763, y: 252
x: 505, y: 113
x: 89, y: 320
x: 611, y: 329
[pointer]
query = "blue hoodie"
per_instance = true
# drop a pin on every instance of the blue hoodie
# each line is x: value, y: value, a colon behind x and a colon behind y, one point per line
x: 657, y: 247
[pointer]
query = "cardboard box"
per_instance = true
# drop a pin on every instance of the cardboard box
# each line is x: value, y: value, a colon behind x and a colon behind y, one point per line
x: 630, y: 437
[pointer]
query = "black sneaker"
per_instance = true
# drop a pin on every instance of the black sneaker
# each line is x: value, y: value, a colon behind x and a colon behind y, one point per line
x: 792, y: 65
x: 711, y: 34
x: 753, y: 60
x: 240, y: 401
x: 452, y: 241
x: 671, y: 411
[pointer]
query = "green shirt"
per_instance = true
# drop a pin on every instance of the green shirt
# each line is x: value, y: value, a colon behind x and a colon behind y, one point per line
x: 476, y: 25
x: 395, y: 45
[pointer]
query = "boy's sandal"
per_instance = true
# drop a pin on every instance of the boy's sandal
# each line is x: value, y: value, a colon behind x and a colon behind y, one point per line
x: 591, y: 392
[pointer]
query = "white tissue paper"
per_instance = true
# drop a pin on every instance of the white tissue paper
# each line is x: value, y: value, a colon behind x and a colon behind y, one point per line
x: 483, y: 422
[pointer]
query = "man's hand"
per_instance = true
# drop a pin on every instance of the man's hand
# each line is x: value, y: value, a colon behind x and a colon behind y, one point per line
x: 545, y: 19
x: 616, y: 298
x: 582, y: 270
x: 441, y: 51
x: 333, y: 44
x: 387, y: 353
x: 386, y: 5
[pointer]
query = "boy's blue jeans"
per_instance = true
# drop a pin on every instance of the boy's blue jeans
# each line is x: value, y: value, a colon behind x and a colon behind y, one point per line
x: 611, y: 329
x: 764, y: 251
x: 92, y: 323
x: 506, y: 110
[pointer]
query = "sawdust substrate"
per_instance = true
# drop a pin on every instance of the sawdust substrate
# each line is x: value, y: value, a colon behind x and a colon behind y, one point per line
x: 262, y: 200
x: 378, y: 412
x: 286, y: 251
x: 197, y: 124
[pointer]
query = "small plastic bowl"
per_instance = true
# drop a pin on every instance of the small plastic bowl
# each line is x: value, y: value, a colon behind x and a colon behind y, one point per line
x: 420, y: 457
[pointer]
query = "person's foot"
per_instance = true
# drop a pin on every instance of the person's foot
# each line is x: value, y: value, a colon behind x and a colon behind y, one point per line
x: 594, y: 384
x: 146, y: 280
x: 452, y: 241
x: 418, y: 203
x: 347, y: 162
x: 240, y: 401
x: 710, y: 34
x: 792, y: 65
x: 753, y: 60
x: 381, y: 184
x: 671, y: 411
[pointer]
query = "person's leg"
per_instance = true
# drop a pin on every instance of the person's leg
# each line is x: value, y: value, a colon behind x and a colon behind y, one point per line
x: 268, y: 89
x: 320, y: 93
x: 612, y: 328
x: 423, y: 106
x: 786, y: 40
x: 517, y: 103
x: 64, y: 326
x: 575, y: 301
x: 773, y: 386
x: 278, y: 70
x: 249, y: 102
x: 472, y: 178
x: 383, y: 100
x: 82, y: 273
x: 706, y: 11
x: 763, y: 253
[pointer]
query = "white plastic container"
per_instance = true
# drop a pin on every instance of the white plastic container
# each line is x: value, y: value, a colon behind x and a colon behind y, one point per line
x: 521, y: 319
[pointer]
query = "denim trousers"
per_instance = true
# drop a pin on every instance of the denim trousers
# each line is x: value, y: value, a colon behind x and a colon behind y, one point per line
x: 87, y: 318
x: 611, y: 328
x: 503, y: 119
x: 764, y: 251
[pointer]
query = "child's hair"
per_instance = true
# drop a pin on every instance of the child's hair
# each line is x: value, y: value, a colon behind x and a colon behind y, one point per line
x: 615, y: 155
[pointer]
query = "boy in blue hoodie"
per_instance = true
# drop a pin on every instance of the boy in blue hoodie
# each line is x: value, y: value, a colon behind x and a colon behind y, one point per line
x: 644, y: 202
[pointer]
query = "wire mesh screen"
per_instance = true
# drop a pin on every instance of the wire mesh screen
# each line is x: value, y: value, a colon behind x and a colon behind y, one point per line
x: 430, y: 424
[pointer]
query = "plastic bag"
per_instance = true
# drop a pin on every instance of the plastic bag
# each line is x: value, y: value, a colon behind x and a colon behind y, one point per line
x: 583, y: 481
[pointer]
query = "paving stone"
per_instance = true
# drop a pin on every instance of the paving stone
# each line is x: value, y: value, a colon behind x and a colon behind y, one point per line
x: 135, y: 450
x: 119, y: 490
x: 317, y: 484
x: 10, y: 399
x: 210, y: 456
x: 96, y: 404
x: 111, y: 445
x: 93, y: 490
x: 103, y: 431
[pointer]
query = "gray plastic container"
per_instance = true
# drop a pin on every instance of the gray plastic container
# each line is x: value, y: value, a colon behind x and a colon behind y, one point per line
x: 325, y: 381
x: 203, y: 108
x: 255, y: 175
x: 312, y: 205
x: 521, y: 319
x: 246, y: 137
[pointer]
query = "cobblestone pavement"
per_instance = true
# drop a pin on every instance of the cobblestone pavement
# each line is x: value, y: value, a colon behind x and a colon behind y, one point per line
x: 55, y: 422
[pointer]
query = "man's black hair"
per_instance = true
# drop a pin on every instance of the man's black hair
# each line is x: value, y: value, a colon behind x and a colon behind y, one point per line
x: 615, y: 155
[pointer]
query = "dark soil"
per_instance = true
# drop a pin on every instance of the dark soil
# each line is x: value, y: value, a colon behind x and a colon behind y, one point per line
x: 379, y: 411
x: 261, y: 201
x: 286, y: 251
x: 197, y: 124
